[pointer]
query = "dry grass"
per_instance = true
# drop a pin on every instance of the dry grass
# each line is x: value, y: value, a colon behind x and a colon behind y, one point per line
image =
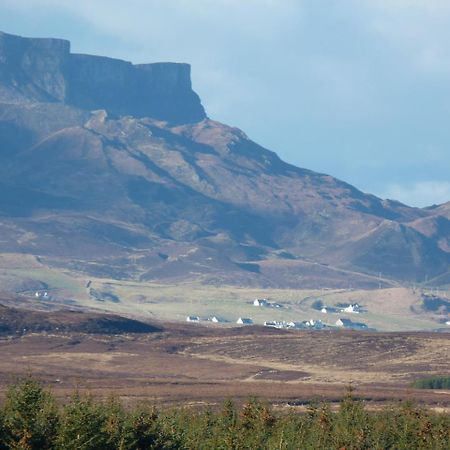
x: 196, y: 365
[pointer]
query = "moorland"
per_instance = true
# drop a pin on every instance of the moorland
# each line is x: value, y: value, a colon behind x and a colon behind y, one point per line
x: 174, y: 363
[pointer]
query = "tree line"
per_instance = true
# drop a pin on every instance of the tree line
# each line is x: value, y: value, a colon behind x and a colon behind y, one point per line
x: 31, y: 419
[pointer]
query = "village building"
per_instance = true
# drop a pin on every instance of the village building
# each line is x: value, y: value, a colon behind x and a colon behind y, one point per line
x: 192, y: 319
x: 296, y: 325
x: 353, y: 308
x: 244, y: 321
x: 260, y: 302
x: 347, y: 323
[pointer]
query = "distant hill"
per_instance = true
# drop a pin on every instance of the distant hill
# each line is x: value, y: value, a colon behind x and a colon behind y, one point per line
x: 114, y: 169
x: 15, y: 321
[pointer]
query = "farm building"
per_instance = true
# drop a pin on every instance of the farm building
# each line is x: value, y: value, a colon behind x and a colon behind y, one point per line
x: 315, y: 324
x: 276, y: 324
x: 353, y: 308
x: 265, y: 303
x: 260, y: 302
x: 192, y: 319
x: 296, y: 325
x: 216, y: 319
x: 244, y: 321
x: 347, y: 323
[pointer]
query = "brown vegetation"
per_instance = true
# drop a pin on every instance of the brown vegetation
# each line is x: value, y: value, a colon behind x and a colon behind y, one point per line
x: 198, y: 365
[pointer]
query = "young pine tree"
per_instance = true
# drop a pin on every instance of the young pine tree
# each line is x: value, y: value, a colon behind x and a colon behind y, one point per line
x: 30, y: 417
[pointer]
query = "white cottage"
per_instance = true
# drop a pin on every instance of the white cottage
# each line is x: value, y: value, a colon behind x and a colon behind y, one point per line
x: 192, y: 319
x: 351, y: 309
x: 244, y: 321
x: 347, y: 323
x: 260, y: 302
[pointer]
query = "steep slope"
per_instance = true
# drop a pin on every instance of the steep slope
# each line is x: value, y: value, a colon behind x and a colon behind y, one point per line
x: 114, y: 175
x: 436, y: 226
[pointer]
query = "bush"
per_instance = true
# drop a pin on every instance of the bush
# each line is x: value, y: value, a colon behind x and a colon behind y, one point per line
x: 432, y: 383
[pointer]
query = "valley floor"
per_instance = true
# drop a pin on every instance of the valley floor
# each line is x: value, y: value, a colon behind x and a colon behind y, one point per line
x: 195, y: 365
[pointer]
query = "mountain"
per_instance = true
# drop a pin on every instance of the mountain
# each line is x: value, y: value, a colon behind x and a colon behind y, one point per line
x: 114, y: 169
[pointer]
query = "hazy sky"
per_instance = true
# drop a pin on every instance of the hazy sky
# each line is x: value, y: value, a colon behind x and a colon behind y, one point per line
x: 359, y: 89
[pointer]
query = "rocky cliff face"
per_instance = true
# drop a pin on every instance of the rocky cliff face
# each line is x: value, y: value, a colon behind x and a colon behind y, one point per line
x: 44, y: 70
x: 32, y: 69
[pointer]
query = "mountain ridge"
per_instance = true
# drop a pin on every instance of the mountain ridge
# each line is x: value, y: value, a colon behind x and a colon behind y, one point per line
x: 44, y: 70
x: 217, y: 206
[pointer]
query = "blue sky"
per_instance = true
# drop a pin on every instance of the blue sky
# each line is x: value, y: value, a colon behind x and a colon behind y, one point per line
x: 359, y: 89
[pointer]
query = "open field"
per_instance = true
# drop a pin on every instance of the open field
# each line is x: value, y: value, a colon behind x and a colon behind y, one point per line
x: 195, y: 365
x: 390, y: 309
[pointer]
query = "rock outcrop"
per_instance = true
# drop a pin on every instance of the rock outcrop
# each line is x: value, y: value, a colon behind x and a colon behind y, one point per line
x: 44, y: 70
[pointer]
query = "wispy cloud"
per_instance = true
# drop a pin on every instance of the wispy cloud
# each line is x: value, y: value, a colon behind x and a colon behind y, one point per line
x: 417, y: 29
x: 423, y: 193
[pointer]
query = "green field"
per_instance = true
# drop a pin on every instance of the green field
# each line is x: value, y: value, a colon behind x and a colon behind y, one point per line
x: 386, y: 309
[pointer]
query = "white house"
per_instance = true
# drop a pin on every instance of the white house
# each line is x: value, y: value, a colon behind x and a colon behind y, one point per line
x: 216, y: 319
x: 260, y: 302
x: 448, y: 322
x: 347, y: 323
x: 324, y: 310
x: 296, y: 325
x: 244, y: 321
x: 192, y: 319
x: 352, y: 308
x: 270, y: 323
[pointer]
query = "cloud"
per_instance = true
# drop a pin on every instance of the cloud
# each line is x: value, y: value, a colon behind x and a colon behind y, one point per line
x: 168, y: 19
x: 423, y: 193
x: 417, y: 29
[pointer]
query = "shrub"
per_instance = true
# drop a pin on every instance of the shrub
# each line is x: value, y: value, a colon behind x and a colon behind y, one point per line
x: 438, y: 382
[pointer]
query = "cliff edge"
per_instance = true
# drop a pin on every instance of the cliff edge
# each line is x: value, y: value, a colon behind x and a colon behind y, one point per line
x: 44, y: 70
